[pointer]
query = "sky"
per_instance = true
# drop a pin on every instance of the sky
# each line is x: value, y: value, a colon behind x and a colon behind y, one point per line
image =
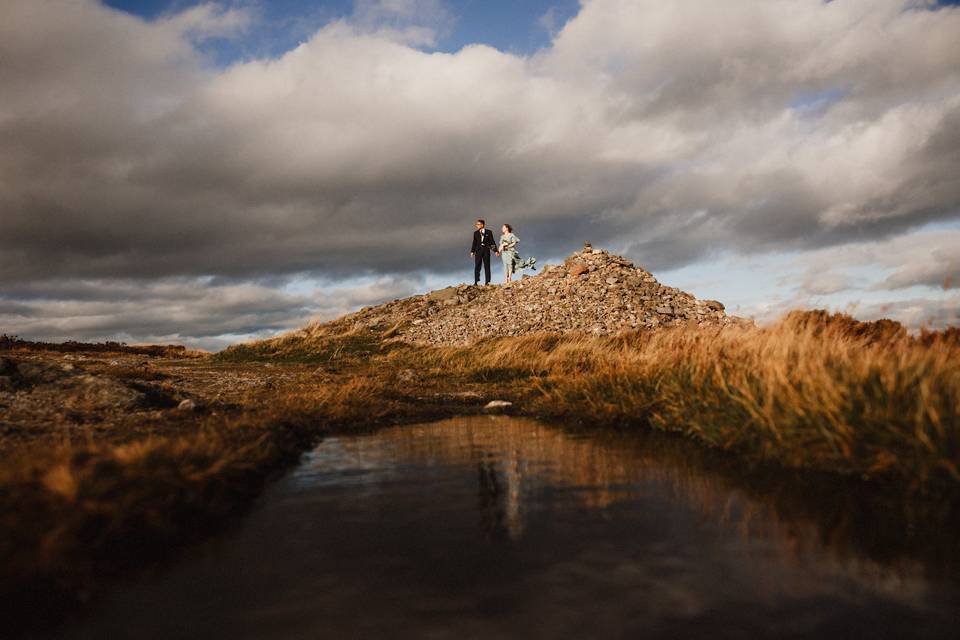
x: 209, y: 172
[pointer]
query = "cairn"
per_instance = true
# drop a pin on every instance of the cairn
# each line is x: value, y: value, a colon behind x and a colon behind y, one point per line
x: 593, y: 291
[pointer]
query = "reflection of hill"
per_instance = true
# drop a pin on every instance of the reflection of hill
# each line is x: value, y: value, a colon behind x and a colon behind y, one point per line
x: 516, y: 459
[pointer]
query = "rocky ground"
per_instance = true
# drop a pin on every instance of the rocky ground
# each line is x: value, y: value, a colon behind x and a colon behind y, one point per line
x: 593, y: 291
x: 58, y: 398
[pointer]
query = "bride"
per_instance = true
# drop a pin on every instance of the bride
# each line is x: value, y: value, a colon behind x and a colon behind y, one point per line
x: 507, y: 250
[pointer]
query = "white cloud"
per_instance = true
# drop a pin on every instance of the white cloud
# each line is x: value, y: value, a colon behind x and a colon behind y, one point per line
x: 207, y: 20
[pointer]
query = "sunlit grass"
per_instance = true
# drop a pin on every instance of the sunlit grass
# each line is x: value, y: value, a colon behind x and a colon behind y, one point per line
x: 813, y: 391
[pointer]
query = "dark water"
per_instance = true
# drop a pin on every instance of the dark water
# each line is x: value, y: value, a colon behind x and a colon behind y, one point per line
x: 506, y: 528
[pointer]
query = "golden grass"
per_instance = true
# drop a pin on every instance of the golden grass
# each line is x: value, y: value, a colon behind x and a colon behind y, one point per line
x: 824, y: 393
x: 320, y: 344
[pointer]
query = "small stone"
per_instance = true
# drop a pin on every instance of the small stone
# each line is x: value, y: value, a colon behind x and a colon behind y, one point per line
x: 187, y: 405
x: 578, y: 269
x: 497, y: 405
x: 664, y: 310
x: 613, y: 280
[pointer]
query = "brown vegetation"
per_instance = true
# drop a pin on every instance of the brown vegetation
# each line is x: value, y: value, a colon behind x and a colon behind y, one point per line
x: 13, y: 343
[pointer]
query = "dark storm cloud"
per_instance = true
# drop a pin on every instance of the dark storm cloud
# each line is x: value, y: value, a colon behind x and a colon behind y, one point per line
x: 668, y: 130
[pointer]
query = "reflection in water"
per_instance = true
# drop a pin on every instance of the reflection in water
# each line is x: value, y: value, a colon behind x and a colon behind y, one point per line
x: 504, y: 527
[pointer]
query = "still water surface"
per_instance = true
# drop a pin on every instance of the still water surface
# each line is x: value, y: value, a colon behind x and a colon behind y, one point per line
x: 498, y: 527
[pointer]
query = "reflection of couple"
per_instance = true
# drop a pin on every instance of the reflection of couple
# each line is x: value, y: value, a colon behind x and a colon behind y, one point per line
x: 483, y: 244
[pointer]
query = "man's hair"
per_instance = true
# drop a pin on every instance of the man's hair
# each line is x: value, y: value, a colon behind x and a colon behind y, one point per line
x: 509, y: 228
x: 482, y: 221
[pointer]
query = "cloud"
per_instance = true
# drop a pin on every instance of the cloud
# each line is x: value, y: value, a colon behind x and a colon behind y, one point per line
x: 550, y: 21
x: 935, y: 313
x: 938, y: 267
x: 197, y: 312
x: 207, y: 20
x: 671, y: 131
x: 926, y: 258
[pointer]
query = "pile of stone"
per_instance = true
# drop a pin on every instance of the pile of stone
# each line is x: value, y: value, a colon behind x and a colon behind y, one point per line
x: 593, y: 292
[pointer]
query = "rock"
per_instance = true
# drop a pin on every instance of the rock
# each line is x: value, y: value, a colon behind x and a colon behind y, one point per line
x: 578, y: 269
x: 497, y: 405
x: 187, y: 405
x: 612, y: 280
x: 664, y: 310
x: 713, y: 305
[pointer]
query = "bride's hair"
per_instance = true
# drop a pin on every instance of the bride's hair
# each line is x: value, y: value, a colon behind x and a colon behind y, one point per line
x: 509, y: 228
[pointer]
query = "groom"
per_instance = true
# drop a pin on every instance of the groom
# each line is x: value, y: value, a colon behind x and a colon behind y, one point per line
x: 483, y: 244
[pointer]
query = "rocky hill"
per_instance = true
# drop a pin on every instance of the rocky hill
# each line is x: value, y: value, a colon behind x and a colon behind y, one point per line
x: 593, y: 291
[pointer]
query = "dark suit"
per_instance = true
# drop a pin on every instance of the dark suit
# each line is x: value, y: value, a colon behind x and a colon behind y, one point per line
x: 483, y: 244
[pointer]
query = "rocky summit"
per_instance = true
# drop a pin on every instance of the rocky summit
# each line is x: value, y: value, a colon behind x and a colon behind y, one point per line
x: 593, y: 291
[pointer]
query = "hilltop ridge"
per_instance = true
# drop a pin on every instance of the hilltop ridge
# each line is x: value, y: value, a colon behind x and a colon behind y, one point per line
x: 593, y: 291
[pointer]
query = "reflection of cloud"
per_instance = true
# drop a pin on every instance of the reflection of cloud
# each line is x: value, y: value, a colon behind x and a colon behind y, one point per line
x: 358, y: 153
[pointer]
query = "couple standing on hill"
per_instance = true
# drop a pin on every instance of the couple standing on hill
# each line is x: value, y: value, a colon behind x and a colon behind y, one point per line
x: 483, y: 245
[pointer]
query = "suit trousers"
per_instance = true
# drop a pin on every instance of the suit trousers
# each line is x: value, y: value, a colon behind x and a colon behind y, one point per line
x: 481, y: 257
